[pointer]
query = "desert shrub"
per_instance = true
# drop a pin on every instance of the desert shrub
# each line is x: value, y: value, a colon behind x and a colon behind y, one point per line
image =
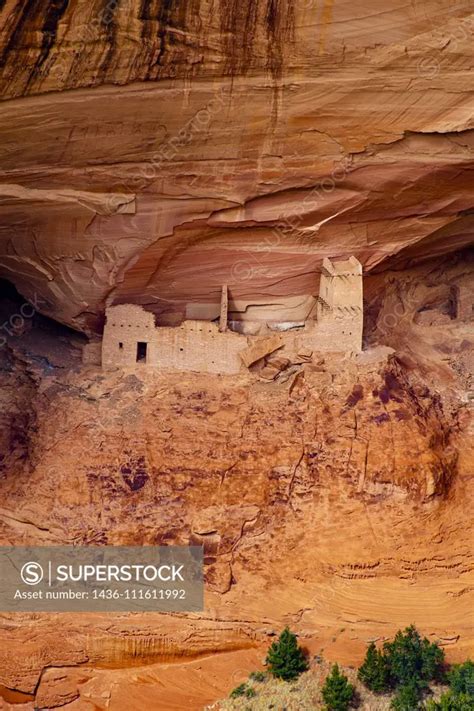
x: 243, y: 690
x: 257, y: 676
x: 238, y: 691
x: 375, y: 672
x: 413, y: 660
x: 338, y: 694
x: 407, y: 698
x: 285, y: 659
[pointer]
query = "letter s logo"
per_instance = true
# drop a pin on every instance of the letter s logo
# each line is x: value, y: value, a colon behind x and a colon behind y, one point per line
x: 32, y: 573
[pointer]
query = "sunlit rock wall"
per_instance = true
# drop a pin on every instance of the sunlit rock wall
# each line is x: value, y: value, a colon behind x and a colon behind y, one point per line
x: 153, y: 151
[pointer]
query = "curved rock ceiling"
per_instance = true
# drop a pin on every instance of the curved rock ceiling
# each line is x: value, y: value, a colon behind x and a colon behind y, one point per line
x: 153, y: 150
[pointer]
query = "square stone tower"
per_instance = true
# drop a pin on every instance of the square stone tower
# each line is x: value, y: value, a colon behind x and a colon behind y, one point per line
x: 341, y: 284
x: 339, y: 314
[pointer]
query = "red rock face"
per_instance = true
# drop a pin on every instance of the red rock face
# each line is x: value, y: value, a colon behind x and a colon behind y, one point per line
x: 152, y: 152
x: 340, y: 494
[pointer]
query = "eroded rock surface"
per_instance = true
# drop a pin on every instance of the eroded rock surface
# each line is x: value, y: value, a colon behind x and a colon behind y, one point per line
x: 337, y: 501
x: 153, y: 151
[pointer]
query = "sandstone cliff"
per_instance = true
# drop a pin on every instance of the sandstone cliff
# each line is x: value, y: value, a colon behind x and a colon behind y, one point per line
x: 337, y: 502
x: 249, y: 138
x: 150, y: 153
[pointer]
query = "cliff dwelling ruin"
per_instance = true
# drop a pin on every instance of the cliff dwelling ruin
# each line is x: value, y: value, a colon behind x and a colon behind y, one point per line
x: 334, y: 323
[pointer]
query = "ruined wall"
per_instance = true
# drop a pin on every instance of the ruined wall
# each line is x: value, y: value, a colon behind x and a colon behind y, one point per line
x: 195, y: 345
x: 131, y: 337
x: 464, y: 301
x: 199, y: 346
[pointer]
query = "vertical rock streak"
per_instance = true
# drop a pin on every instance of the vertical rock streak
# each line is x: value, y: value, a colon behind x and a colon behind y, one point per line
x: 252, y: 34
x: 243, y: 24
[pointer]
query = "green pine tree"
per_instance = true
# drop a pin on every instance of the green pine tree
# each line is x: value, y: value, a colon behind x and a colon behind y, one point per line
x: 374, y: 672
x: 452, y: 702
x: 337, y: 692
x: 461, y: 678
x: 413, y: 659
x: 460, y: 696
x: 407, y: 698
x: 285, y: 659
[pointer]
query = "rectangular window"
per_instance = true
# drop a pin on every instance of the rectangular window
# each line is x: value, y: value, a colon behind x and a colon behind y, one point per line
x: 141, y: 352
x: 121, y: 346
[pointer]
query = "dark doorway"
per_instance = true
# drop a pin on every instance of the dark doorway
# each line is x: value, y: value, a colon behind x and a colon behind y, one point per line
x: 141, y: 352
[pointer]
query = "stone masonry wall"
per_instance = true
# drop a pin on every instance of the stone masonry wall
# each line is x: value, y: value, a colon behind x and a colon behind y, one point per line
x: 195, y: 345
x: 336, y: 333
x: 132, y: 339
